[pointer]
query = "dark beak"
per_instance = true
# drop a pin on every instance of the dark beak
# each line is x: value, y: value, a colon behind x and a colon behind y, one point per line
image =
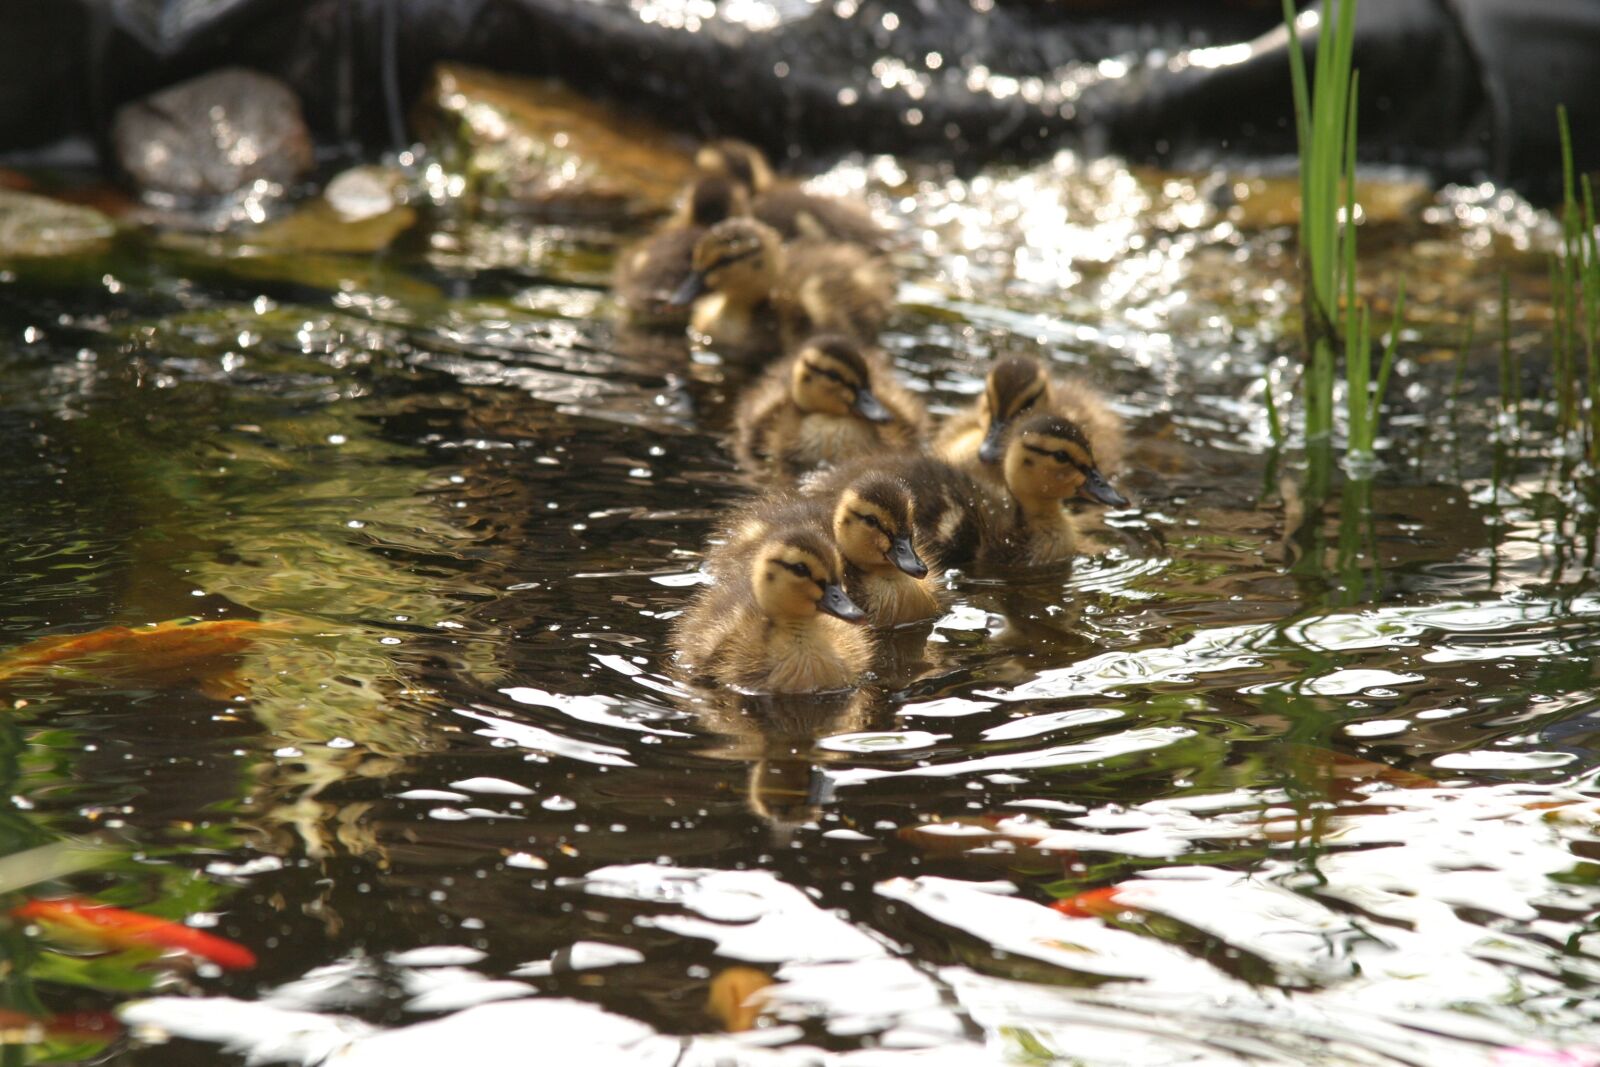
x: 835, y: 603
x: 904, y: 556
x: 693, y: 287
x: 994, y: 442
x: 1096, y: 488
x: 870, y: 407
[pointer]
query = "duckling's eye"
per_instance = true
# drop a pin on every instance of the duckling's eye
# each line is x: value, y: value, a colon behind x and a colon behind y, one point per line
x: 870, y: 520
x: 1060, y: 456
x: 799, y: 570
x: 832, y: 376
x: 734, y: 256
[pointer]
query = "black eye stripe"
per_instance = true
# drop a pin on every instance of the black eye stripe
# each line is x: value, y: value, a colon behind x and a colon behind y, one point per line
x: 1060, y: 455
x: 1025, y: 404
x: 734, y: 257
x: 870, y: 520
x: 799, y: 570
x: 832, y: 376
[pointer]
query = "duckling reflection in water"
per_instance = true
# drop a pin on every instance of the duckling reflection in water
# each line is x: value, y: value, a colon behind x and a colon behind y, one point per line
x: 1017, y: 386
x: 752, y: 293
x: 650, y: 271
x: 784, y: 205
x: 777, y: 619
x: 777, y: 736
x: 829, y: 402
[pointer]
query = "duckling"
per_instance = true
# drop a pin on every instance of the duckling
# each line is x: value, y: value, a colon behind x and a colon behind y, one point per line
x: 649, y: 271
x: 781, y: 626
x: 1047, y: 462
x: 870, y: 517
x: 1017, y: 385
x: 829, y: 402
x: 751, y: 292
x: 953, y: 513
x: 785, y: 205
x: 962, y: 520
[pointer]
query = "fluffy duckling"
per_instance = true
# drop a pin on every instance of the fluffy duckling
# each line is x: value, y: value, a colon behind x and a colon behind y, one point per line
x: 1047, y: 462
x: 871, y: 518
x: 649, y: 271
x: 1019, y: 385
x: 829, y: 402
x: 750, y: 291
x: 784, y: 205
x: 783, y: 626
x: 961, y: 519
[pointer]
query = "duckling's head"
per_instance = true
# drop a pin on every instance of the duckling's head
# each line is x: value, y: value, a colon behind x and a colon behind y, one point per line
x: 831, y: 377
x: 739, y: 160
x: 1049, y: 458
x: 873, y: 526
x: 711, y: 198
x: 738, y: 257
x: 1016, y: 385
x: 796, y: 575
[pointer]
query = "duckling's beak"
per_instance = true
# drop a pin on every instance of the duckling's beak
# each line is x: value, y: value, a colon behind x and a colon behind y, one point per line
x: 835, y: 603
x: 903, y: 555
x: 870, y: 407
x: 994, y: 442
x: 1096, y: 488
x: 693, y: 287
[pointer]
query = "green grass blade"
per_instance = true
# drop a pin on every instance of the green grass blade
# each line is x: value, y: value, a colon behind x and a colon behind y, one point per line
x: 1386, y: 365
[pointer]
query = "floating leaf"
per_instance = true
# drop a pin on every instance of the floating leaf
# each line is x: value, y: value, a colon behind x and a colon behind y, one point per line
x: 123, y: 972
x: 48, y: 862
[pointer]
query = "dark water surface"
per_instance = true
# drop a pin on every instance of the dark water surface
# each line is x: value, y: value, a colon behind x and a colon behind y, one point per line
x: 455, y: 801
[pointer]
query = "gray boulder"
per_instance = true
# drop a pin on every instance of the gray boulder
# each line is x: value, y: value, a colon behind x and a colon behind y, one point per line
x: 213, y: 135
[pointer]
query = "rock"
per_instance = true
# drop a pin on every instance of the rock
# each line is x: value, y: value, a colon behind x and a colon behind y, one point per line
x: 1261, y: 202
x: 319, y: 227
x: 534, y: 144
x: 213, y: 135
x: 38, y: 226
x: 363, y: 192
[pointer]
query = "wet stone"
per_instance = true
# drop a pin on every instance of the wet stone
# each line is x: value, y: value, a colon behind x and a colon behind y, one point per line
x: 213, y: 135
x: 533, y: 144
x: 363, y: 192
x: 39, y: 226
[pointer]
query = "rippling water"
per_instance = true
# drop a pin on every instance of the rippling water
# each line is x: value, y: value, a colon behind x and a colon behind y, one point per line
x: 1341, y: 768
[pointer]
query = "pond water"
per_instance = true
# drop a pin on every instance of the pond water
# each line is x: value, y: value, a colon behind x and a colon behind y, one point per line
x: 1338, y: 756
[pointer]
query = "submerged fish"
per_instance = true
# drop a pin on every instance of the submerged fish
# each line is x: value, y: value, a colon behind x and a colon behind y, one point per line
x: 118, y: 928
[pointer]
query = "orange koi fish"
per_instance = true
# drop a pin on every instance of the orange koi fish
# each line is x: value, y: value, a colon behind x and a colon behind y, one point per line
x: 117, y: 928
x: 1100, y: 902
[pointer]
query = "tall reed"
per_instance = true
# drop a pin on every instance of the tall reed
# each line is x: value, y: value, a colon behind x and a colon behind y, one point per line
x: 1333, y: 320
x: 1575, y: 306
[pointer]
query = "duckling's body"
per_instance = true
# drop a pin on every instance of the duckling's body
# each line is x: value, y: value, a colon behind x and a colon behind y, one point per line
x: 1018, y: 386
x: 829, y: 402
x: 751, y: 292
x: 650, y: 271
x: 871, y: 519
x: 834, y: 287
x: 776, y: 620
x: 785, y: 205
